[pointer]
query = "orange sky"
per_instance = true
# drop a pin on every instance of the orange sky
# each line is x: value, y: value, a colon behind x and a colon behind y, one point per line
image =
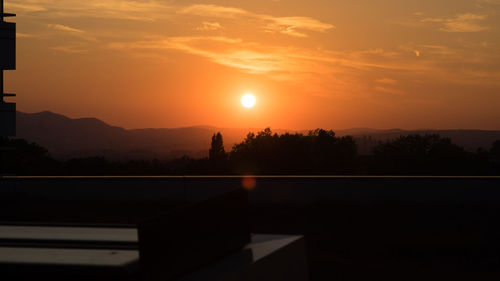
x: 329, y: 63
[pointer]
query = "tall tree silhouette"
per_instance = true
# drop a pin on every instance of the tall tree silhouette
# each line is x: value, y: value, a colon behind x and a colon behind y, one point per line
x: 217, y: 151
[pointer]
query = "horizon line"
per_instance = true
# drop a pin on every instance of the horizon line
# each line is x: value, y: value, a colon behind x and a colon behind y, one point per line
x: 257, y: 128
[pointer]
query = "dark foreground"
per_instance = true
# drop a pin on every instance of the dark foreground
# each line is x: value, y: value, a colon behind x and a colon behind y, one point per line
x: 356, y: 228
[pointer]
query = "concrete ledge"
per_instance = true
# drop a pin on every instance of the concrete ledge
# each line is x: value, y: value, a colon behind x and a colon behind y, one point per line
x: 267, y: 257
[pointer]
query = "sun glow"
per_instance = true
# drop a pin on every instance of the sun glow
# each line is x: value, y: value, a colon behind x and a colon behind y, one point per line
x: 248, y: 100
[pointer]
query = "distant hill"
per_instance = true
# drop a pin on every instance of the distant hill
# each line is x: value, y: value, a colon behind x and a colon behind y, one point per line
x: 471, y: 140
x: 66, y: 137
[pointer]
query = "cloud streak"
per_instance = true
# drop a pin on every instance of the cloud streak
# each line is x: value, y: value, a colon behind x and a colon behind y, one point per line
x: 209, y: 26
x: 275, y: 61
x: 387, y: 81
x: 387, y: 90
x: 214, y: 11
x: 292, y: 26
x: 461, y: 23
x: 145, y: 10
x: 64, y: 28
x: 72, y: 49
x: 339, y: 71
x: 73, y: 31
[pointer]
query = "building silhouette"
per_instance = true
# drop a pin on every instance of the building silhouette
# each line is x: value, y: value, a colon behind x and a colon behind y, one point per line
x: 7, y: 62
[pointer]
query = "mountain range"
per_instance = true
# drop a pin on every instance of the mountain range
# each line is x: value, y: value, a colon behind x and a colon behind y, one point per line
x: 65, y: 137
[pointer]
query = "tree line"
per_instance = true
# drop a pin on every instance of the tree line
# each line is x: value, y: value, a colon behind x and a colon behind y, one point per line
x: 319, y: 152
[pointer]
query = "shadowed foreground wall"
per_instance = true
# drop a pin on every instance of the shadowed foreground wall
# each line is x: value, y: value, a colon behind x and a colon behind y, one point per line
x: 390, y: 228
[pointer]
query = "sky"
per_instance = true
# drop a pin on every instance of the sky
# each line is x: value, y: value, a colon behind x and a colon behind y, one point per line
x: 333, y: 64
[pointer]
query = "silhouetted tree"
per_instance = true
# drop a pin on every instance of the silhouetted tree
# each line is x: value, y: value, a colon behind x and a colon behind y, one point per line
x: 217, y: 158
x: 217, y: 151
x: 331, y: 153
x: 20, y: 157
x: 319, y: 152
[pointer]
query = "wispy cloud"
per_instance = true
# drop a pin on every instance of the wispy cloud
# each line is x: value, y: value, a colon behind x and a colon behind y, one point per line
x: 72, y: 31
x: 25, y: 7
x: 276, y: 62
x: 292, y: 26
x: 73, y: 49
x: 144, y: 10
x: 222, y: 50
x: 425, y: 49
x: 491, y: 2
x: 64, y: 28
x: 387, y: 81
x: 209, y: 26
x: 387, y: 90
x: 339, y: 67
x: 214, y: 11
x: 461, y: 23
x: 27, y: 35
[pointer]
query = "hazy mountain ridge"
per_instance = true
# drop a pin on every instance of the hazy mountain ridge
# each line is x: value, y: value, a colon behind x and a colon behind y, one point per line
x: 471, y: 140
x: 66, y: 137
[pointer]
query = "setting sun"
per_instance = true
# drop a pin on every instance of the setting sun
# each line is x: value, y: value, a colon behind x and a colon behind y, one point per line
x: 248, y: 100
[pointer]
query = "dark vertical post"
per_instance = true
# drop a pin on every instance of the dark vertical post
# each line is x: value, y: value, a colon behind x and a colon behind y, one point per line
x: 1, y: 84
x: 1, y: 91
x: 7, y: 62
x: 1, y: 74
